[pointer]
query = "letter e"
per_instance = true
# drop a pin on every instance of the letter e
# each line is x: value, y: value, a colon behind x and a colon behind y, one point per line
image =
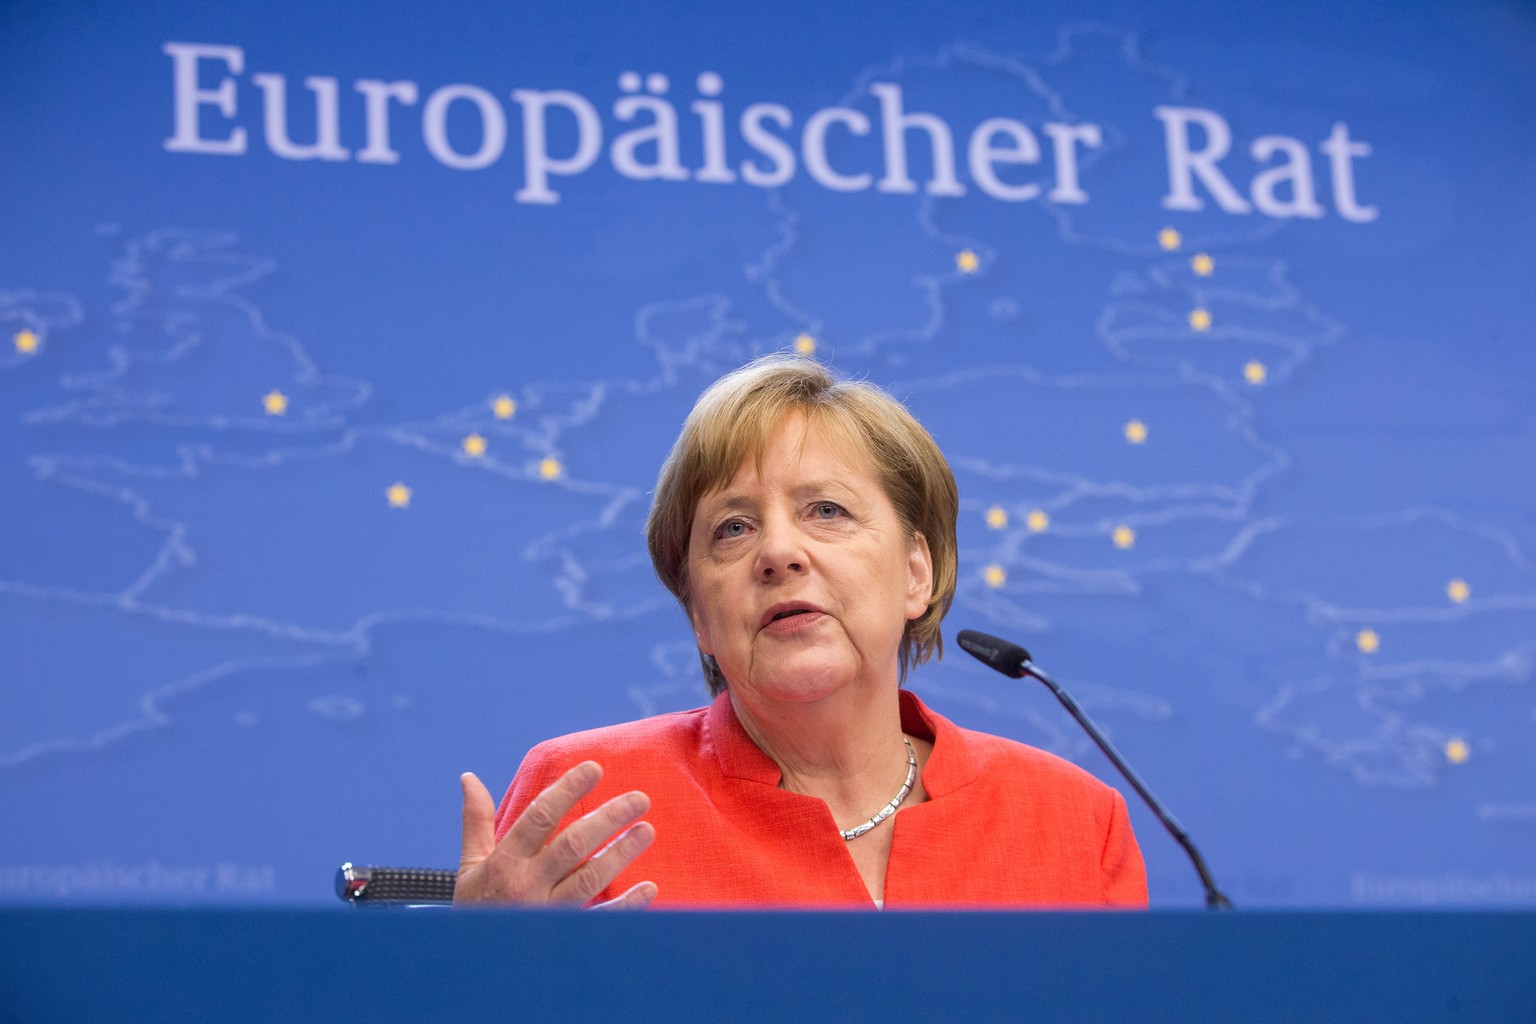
x: 188, y: 97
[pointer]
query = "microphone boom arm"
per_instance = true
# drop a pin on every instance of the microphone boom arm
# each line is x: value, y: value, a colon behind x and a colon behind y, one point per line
x: 1214, y: 898
x: 1013, y: 660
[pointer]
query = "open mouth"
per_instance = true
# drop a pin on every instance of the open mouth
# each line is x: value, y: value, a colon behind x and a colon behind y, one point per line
x: 788, y: 611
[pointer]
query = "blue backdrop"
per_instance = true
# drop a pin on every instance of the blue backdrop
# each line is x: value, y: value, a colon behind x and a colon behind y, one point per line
x: 339, y: 348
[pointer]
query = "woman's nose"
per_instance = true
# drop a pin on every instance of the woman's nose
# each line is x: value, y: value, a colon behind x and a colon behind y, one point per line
x: 781, y: 551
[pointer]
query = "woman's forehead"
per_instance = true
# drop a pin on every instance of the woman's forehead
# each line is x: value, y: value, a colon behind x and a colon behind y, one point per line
x: 797, y: 440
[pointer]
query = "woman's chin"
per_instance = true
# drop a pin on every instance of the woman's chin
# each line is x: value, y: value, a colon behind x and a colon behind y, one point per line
x: 802, y: 679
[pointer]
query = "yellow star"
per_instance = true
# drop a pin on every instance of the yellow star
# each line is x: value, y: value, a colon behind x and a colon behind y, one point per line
x: 1255, y: 373
x: 1202, y: 264
x: 275, y: 402
x: 1200, y: 319
x: 1124, y: 537
x: 550, y: 468
x: 1367, y: 641
x: 805, y: 344
x: 474, y: 446
x: 1169, y: 239
x: 997, y: 517
x: 1037, y: 520
x: 1136, y: 432
x: 26, y: 341
x: 1458, y: 591
x: 995, y: 575
x: 967, y: 261
x: 398, y: 494
x: 1457, y: 751
x: 504, y: 406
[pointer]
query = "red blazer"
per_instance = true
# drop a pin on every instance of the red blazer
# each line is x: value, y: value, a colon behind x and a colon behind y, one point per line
x: 1004, y: 825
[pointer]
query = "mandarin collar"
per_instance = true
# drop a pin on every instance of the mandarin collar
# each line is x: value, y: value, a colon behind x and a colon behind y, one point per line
x: 949, y: 767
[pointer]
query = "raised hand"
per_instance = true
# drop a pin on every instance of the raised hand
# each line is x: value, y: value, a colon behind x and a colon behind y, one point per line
x: 526, y: 867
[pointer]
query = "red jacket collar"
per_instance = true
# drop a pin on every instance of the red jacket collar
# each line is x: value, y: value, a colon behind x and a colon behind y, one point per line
x: 949, y: 767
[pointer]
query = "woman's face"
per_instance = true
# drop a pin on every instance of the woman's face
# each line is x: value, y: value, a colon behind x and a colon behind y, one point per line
x: 801, y: 577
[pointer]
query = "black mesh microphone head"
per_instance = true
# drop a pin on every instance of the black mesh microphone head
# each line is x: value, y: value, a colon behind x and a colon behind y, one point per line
x: 1007, y: 658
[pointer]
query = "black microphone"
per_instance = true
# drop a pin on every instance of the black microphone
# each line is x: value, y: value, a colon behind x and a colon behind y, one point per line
x: 1014, y: 661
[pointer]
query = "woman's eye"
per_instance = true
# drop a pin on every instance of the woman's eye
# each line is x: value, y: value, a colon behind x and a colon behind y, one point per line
x: 731, y: 528
x: 828, y: 510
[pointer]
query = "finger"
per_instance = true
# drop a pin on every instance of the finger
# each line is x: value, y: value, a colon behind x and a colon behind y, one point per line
x: 539, y: 819
x: 593, y: 877
x: 479, y: 837
x: 636, y: 897
x: 586, y: 834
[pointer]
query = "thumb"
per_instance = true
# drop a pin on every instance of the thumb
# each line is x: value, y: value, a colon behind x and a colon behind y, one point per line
x: 479, y: 821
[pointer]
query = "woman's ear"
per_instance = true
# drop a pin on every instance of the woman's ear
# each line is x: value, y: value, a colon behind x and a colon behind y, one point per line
x: 701, y: 633
x: 920, y: 576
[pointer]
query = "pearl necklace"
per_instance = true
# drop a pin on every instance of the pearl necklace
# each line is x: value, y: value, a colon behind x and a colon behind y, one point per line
x: 889, y: 809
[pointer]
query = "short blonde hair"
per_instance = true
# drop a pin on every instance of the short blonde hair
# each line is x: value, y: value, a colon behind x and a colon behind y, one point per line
x: 734, y: 419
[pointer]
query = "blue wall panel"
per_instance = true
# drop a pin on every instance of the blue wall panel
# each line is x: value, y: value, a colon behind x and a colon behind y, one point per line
x: 328, y: 431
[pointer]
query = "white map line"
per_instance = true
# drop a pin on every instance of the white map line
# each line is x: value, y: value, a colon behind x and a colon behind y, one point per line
x: 42, y: 313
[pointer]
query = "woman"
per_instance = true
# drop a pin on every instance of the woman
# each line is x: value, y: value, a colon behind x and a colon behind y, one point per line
x: 807, y: 526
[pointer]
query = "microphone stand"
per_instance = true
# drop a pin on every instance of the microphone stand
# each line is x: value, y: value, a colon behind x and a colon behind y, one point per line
x: 1013, y: 660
